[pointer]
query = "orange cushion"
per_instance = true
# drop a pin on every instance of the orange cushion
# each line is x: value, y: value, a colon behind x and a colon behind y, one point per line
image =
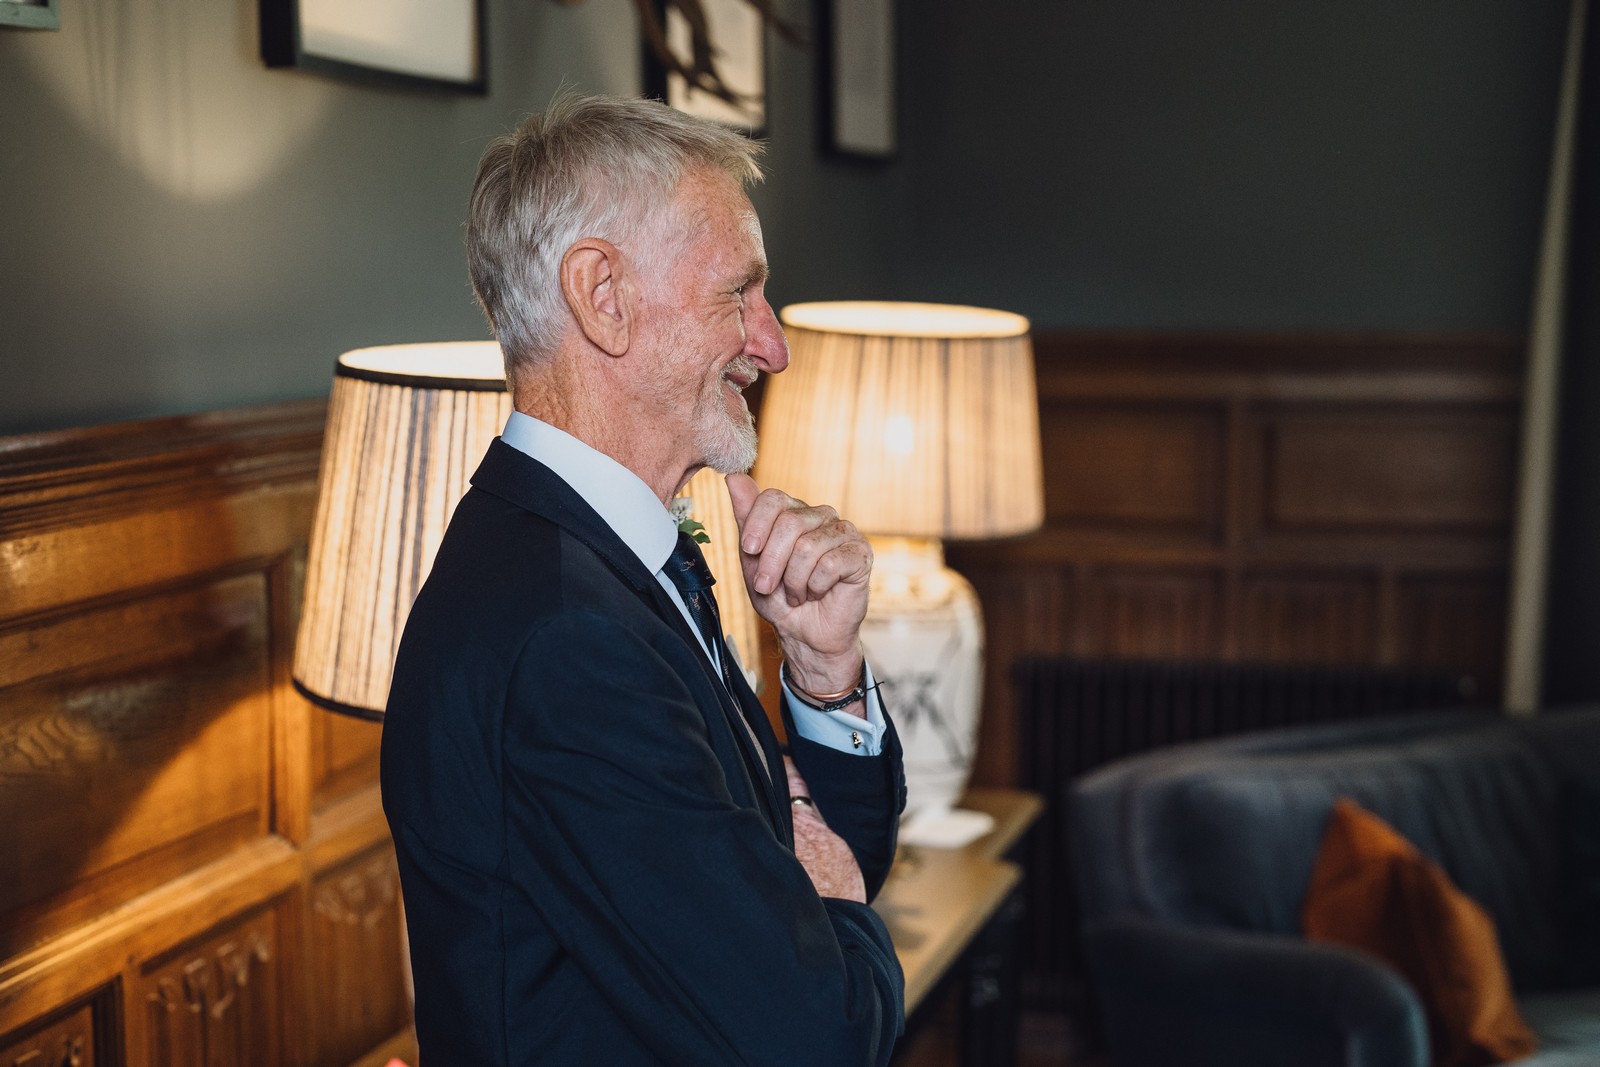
x: 1372, y: 890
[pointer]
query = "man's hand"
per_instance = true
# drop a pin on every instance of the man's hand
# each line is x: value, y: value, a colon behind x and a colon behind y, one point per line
x: 807, y: 572
x: 823, y: 853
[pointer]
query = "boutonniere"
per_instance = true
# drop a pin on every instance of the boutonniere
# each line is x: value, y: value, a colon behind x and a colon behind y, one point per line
x: 683, y: 512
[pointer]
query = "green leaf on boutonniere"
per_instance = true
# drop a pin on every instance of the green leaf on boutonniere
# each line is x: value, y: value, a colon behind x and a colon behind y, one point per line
x: 695, y: 530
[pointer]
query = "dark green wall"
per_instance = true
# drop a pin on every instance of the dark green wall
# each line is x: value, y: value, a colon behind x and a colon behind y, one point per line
x: 182, y: 229
x: 1232, y: 164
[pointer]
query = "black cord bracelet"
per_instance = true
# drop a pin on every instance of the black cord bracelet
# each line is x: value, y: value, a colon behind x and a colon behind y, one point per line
x: 837, y: 704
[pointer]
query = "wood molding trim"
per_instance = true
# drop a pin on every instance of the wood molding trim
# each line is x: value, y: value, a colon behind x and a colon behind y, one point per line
x: 69, y: 477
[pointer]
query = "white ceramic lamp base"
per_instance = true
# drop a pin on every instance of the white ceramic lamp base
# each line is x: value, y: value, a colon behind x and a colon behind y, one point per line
x: 924, y: 637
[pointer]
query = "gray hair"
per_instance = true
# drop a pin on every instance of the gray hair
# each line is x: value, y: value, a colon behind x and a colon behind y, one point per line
x: 590, y: 166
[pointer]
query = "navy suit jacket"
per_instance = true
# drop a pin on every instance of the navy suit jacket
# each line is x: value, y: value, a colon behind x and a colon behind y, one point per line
x: 596, y: 870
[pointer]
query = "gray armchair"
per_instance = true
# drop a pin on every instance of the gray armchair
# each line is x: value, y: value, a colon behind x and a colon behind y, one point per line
x: 1193, y: 862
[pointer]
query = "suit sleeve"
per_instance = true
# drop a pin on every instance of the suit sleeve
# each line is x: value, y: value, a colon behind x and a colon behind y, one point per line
x: 701, y: 927
x: 861, y: 797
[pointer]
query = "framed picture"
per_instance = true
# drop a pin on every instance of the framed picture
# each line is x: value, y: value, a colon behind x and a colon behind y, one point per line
x: 422, y: 43
x: 856, y: 50
x: 30, y: 14
x: 738, y: 49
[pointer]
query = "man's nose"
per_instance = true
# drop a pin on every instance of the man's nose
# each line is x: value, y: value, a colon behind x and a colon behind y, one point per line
x: 763, y: 338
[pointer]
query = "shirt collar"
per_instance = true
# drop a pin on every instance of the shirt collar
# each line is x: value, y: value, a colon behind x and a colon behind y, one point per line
x: 618, y: 495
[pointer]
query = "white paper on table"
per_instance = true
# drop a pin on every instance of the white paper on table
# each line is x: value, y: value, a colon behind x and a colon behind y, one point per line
x: 945, y: 829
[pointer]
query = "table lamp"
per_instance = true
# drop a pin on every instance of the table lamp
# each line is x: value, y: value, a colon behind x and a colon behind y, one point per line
x: 918, y: 422
x: 407, y: 425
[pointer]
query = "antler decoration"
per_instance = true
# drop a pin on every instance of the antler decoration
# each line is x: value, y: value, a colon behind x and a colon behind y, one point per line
x: 699, y: 67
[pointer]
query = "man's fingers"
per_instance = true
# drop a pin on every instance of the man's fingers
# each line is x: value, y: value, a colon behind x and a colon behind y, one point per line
x: 828, y: 860
x: 769, y: 506
x: 785, y: 560
x: 797, y: 784
x: 850, y: 561
x: 822, y: 557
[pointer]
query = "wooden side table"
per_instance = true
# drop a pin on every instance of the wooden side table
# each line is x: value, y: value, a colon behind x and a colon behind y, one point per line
x: 954, y: 915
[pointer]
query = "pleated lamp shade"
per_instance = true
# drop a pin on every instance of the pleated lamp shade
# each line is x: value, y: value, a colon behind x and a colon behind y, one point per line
x: 407, y: 426
x: 914, y: 420
x: 712, y: 508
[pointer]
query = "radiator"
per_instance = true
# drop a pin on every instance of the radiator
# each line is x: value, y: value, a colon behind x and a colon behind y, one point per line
x: 1075, y: 715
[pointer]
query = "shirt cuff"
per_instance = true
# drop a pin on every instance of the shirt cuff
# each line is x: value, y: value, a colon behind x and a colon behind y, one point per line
x: 840, y: 730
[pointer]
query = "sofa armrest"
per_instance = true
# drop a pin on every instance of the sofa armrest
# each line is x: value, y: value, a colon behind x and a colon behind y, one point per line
x: 1182, y: 994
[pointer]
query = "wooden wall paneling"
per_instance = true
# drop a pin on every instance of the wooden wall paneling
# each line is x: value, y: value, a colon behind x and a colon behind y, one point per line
x: 353, y: 978
x: 1310, y: 618
x: 76, y: 963
x: 293, y: 742
x: 1151, y: 614
x: 181, y: 810
x: 1316, y: 498
x: 50, y: 567
x: 1155, y: 468
x: 1239, y: 490
x: 133, y: 738
x: 1395, y: 468
x: 213, y: 1002
x: 68, y: 1040
x: 345, y: 754
x: 1023, y: 612
x: 356, y: 963
x: 1447, y: 620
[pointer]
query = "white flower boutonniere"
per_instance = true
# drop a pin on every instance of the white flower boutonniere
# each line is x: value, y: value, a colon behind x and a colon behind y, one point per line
x: 683, y: 512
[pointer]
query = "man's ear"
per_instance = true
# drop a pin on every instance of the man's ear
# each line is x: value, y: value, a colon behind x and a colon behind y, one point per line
x: 592, y: 283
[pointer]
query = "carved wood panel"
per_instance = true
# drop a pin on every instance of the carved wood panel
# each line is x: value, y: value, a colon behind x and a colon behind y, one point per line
x: 66, y: 1042
x: 215, y: 1003
x: 1317, y: 499
x: 356, y: 937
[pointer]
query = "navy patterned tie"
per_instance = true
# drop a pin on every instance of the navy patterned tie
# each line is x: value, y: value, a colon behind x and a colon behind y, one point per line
x: 686, y: 569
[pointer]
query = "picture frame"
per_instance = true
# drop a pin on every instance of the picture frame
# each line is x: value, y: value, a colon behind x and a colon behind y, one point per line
x: 739, y: 39
x: 31, y: 14
x: 857, y: 76
x: 424, y: 44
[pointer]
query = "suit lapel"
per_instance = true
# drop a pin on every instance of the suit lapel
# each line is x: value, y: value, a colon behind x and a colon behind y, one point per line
x: 734, y: 710
x: 777, y: 784
x: 522, y: 480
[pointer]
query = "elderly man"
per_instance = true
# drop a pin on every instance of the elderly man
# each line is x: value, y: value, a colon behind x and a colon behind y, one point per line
x: 603, y: 859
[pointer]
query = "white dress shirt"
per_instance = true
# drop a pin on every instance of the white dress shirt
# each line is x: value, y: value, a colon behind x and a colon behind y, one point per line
x: 632, y: 510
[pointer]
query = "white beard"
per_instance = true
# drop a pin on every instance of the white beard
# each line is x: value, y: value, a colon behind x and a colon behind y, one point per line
x: 726, y: 442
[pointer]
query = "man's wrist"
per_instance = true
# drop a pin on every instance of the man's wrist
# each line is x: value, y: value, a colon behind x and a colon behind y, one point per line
x: 815, y: 675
